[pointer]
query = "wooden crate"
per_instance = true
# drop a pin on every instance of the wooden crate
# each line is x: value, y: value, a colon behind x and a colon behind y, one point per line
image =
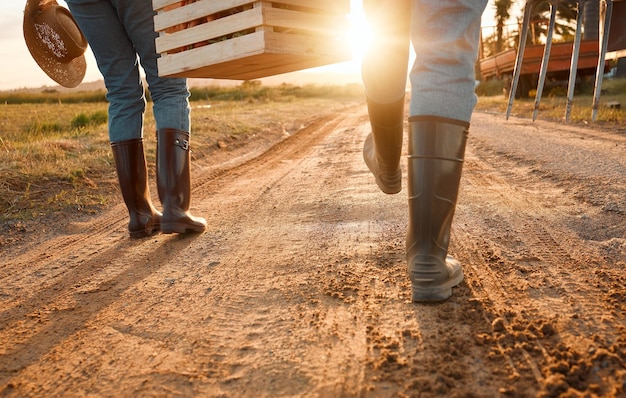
x: 244, y: 40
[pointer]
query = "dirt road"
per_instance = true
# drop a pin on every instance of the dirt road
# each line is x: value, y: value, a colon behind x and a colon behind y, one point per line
x: 299, y: 287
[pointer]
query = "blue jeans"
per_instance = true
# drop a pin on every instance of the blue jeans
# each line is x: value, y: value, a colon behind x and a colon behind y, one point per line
x: 445, y: 37
x: 121, y: 35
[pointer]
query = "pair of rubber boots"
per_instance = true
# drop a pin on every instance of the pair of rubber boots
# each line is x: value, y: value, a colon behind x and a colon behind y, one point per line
x: 173, y: 183
x: 435, y: 155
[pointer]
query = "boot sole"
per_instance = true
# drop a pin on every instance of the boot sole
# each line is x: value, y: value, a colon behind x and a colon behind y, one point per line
x: 435, y: 293
x: 180, y: 228
x: 145, y: 233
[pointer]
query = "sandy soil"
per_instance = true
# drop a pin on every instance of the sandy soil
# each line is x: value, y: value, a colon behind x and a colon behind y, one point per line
x: 299, y: 287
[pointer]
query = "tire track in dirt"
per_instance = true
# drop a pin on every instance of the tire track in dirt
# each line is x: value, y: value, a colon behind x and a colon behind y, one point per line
x: 243, y: 203
x: 537, y: 275
x: 62, y: 247
x: 54, y: 265
x: 410, y: 348
x: 254, y: 332
x: 59, y: 307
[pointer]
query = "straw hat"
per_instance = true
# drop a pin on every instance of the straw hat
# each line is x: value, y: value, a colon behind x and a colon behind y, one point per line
x: 55, y: 41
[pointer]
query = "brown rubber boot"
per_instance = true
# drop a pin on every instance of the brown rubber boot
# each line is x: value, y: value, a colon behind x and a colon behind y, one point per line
x: 436, y: 153
x: 174, y: 183
x: 132, y: 173
x: 383, y: 146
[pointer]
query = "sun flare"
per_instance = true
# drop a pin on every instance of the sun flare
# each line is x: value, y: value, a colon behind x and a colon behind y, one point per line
x: 360, y: 34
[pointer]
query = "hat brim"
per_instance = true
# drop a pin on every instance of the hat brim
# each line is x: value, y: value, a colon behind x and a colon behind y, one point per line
x: 68, y: 74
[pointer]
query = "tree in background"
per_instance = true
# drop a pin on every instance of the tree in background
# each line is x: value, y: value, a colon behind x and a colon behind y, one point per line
x: 502, y: 14
x: 503, y: 39
x: 565, y: 22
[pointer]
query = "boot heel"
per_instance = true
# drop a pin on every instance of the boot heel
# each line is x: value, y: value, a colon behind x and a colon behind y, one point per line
x: 144, y: 233
x: 428, y: 283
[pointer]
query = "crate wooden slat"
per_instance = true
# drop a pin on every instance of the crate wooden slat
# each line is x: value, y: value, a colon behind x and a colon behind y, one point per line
x: 246, y: 39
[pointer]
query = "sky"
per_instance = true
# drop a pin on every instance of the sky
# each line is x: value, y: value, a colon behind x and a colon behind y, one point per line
x: 19, y: 70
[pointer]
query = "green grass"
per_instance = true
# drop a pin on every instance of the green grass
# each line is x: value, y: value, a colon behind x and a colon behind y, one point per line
x: 47, y: 160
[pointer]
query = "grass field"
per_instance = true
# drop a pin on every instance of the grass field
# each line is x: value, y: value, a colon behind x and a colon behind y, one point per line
x: 55, y: 154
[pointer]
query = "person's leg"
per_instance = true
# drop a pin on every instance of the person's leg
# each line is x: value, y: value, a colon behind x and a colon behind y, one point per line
x: 385, y: 63
x: 170, y: 97
x: 445, y: 35
x: 117, y: 62
x: 384, y: 73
